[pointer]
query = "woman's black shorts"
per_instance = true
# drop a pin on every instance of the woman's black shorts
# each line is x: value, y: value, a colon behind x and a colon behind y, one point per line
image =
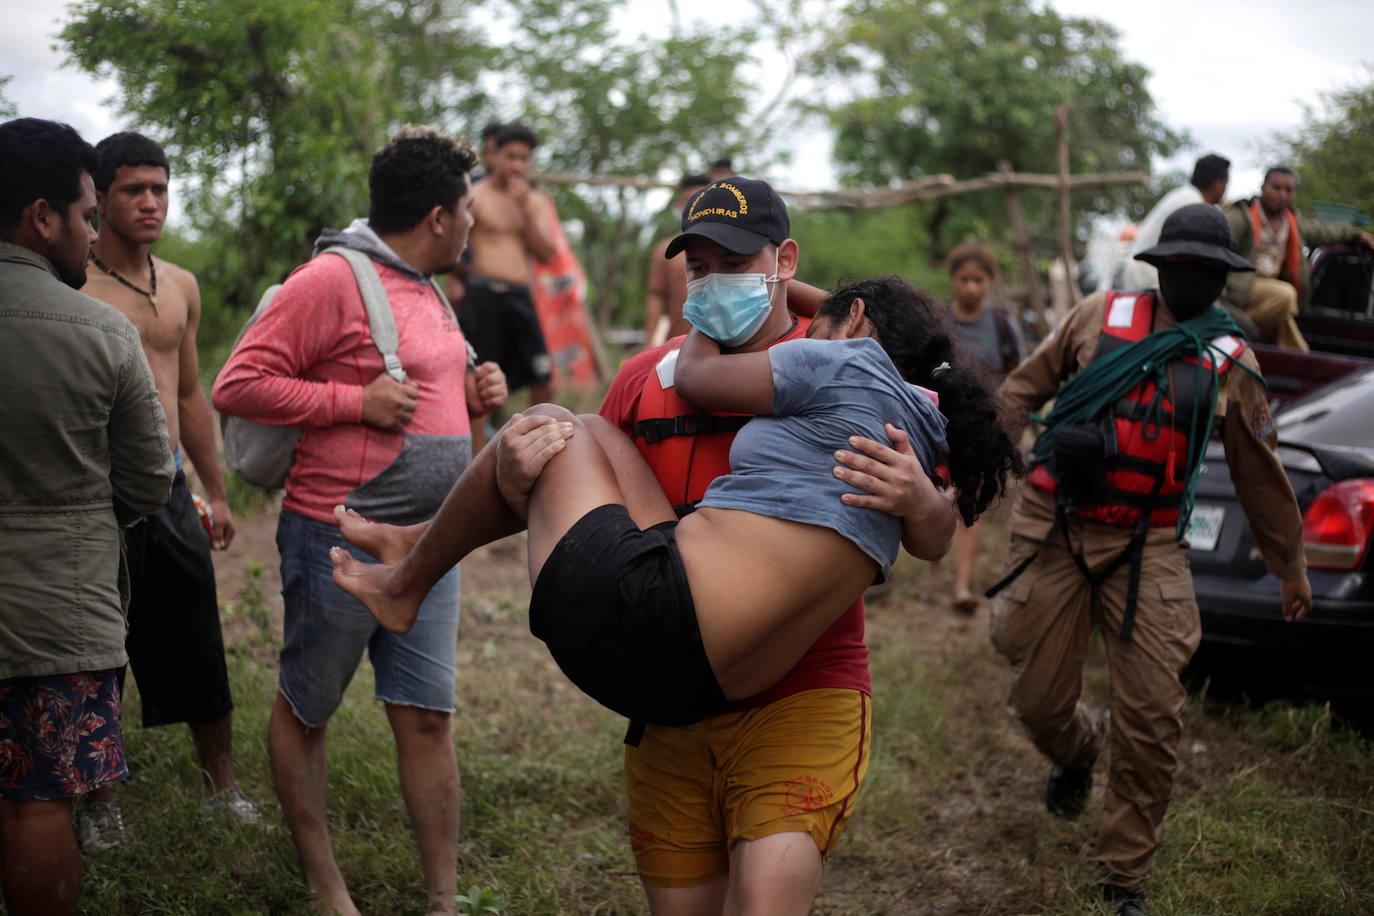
x: 613, y: 605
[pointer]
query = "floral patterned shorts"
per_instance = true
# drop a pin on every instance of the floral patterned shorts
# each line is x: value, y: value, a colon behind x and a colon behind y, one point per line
x: 60, y: 735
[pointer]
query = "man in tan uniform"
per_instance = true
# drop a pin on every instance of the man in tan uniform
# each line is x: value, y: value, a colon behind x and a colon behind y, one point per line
x: 1043, y: 618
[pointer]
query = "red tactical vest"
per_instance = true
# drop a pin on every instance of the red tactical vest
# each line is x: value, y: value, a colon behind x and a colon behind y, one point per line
x: 685, y: 446
x: 1152, y: 448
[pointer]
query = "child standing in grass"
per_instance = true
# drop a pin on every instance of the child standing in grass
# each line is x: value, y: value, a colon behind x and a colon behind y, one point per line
x: 988, y: 336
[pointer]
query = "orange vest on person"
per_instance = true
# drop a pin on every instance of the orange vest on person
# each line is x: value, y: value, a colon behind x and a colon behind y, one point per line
x: 1147, y: 464
x: 1292, y: 258
x: 685, y: 446
x: 685, y: 464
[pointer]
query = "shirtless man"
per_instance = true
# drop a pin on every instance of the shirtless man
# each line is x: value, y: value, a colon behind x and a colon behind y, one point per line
x: 509, y: 233
x: 668, y: 278
x: 174, y: 642
x: 488, y: 148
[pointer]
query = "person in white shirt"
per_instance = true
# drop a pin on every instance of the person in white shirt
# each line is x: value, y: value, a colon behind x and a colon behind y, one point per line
x: 1211, y: 174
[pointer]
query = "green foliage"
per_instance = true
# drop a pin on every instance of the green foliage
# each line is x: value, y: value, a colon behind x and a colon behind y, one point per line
x: 956, y: 87
x: 839, y: 245
x: 479, y: 901
x: 605, y: 105
x: 244, y: 497
x: 271, y: 111
x: 1331, y: 151
x: 252, y: 605
x: 7, y: 109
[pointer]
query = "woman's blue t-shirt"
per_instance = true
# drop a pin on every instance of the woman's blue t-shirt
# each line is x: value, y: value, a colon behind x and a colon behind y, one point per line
x: 825, y: 391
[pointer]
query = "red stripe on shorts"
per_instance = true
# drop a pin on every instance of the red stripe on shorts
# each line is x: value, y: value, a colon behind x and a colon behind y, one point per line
x: 858, y: 763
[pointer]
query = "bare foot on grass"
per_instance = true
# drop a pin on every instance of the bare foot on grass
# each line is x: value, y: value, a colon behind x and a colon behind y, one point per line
x: 369, y: 583
x: 388, y: 543
x: 333, y: 904
x: 965, y: 601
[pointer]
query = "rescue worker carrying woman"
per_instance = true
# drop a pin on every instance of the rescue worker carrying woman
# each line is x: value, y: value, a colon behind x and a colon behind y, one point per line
x: 1139, y: 380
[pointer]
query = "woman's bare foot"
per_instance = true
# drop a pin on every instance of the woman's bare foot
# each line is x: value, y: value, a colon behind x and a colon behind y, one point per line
x: 388, y: 543
x: 369, y: 583
x: 524, y: 446
x: 965, y: 601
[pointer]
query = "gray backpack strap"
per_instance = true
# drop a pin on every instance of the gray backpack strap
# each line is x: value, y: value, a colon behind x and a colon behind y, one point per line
x: 263, y: 302
x: 443, y: 299
x: 379, y: 317
x: 439, y: 288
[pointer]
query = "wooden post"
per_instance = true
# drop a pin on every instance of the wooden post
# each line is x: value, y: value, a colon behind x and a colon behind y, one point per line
x: 1029, y: 276
x: 1061, y: 123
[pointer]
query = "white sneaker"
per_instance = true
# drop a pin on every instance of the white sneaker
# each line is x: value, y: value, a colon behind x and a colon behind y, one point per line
x: 99, y: 826
x: 234, y: 803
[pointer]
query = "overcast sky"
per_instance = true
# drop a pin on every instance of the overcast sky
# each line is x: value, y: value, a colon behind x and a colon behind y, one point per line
x: 1232, y: 73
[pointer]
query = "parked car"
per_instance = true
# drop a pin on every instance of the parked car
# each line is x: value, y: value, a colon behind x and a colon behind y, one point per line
x: 1326, y: 443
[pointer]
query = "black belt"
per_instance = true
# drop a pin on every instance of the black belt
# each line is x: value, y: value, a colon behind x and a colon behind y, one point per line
x: 1131, y: 555
x: 497, y: 286
x: 688, y: 424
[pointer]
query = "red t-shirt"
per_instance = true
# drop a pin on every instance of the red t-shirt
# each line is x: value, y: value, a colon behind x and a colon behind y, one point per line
x: 839, y: 658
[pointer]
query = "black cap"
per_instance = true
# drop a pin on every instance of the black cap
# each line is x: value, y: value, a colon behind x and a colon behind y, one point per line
x: 738, y: 214
x: 1200, y: 230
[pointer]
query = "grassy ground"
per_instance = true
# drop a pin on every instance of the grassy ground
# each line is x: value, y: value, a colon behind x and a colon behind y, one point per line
x: 1273, y: 813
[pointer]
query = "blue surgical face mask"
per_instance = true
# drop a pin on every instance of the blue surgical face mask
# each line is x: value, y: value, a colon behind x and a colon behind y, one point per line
x: 729, y: 308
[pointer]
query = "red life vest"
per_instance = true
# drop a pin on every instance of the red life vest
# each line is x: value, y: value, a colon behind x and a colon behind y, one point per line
x: 685, y: 446
x: 1151, y: 447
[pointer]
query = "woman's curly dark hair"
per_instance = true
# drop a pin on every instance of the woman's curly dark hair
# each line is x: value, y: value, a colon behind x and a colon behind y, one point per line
x: 915, y: 333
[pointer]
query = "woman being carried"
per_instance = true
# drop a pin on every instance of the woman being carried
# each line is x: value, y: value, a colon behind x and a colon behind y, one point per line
x: 667, y: 621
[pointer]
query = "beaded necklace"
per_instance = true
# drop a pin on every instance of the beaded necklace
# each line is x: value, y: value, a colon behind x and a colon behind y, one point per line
x: 151, y: 294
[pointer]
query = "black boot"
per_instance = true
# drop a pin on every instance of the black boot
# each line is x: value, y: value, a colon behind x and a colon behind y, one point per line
x: 1067, y: 790
x: 1124, y: 902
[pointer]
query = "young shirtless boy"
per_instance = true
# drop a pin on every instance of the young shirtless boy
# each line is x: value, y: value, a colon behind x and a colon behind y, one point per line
x: 175, y: 644
x: 509, y: 233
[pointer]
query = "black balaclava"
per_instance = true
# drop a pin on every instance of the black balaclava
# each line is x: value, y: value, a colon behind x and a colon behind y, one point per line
x: 1189, y: 287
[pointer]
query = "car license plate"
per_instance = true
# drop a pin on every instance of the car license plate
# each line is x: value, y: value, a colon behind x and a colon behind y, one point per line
x: 1204, y: 527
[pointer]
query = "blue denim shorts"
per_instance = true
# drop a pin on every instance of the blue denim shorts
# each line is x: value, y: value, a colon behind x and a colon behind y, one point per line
x: 326, y: 631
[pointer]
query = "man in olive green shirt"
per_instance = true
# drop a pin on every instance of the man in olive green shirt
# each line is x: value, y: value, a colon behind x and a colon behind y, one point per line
x: 1270, y: 234
x: 83, y: 451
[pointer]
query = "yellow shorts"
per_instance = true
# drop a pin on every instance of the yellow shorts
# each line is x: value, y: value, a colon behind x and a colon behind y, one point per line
x: 793, y: 765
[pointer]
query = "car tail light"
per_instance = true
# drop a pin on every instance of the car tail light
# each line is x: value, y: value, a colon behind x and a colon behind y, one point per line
x: 1336, y: 527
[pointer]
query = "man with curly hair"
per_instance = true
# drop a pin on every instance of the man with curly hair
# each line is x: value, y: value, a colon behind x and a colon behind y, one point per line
x: 390, y: 450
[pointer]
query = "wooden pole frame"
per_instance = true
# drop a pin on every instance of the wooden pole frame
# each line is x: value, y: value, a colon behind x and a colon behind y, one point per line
x: 934, y: 187
x: 1035, y: 297
x: 1061, y: 129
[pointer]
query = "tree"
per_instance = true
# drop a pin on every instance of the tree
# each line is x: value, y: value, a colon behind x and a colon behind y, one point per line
x: 1331, y: 152
x: 607, y: 105
x: 272, y: 111
x: 957, y: 86
x: 7, y: 109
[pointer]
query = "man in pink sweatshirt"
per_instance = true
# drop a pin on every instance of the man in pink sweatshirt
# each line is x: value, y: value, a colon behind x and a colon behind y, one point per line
x: 390, y: 450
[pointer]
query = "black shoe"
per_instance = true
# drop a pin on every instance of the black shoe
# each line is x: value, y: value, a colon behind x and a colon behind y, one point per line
x: 1067, y: 790
x: 1124, y: 902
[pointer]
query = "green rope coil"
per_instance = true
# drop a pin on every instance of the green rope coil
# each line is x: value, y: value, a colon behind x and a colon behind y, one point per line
x: 1090, y: 393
